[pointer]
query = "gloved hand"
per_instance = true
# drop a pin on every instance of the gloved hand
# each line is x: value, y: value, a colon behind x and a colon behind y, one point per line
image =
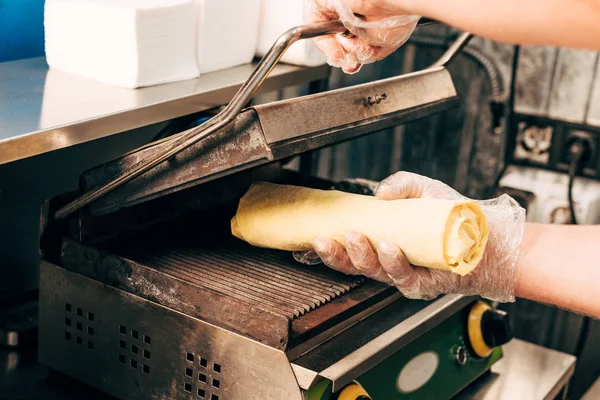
x: 377, y: 27
x: 494, y: 278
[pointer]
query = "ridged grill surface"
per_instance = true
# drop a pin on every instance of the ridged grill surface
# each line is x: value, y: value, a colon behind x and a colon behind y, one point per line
x: 268, y: 279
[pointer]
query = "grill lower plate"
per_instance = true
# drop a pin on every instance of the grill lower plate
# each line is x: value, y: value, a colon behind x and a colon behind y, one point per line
x: 259, y: 293
x: 262, y: 278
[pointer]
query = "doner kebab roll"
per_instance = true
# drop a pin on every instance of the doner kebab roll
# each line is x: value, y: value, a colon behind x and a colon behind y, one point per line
x: 433, y: 233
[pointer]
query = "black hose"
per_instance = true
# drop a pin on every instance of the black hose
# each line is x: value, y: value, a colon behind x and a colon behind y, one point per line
x: 579, y: 150
x: 497, y: 99
x: 578, y: 153
x: 583, y: 337
x: 494, y: 76
x: 510, y: 119
x: 572, y: 176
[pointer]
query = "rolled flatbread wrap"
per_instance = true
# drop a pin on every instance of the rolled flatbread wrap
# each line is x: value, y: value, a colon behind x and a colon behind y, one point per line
x: 442, y: 234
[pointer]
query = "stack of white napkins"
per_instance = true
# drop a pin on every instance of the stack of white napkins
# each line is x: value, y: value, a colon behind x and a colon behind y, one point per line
x: 227, y: 33
x: 277, y: 16
x: 129, y: 43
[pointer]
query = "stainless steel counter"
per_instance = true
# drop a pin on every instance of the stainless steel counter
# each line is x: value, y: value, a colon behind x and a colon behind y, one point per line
x: 42, y: 109
x: 527, y: 372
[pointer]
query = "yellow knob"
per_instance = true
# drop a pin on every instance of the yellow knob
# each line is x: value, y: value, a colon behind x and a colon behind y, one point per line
x: 475, y: 331
x: 353, y: 392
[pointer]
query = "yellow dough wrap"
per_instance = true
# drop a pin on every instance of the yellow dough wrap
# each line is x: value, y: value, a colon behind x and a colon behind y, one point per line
x: 441, y: 234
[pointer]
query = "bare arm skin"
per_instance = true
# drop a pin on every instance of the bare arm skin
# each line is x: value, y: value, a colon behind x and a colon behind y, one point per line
x: 560, y: 265
x: 562, y: 23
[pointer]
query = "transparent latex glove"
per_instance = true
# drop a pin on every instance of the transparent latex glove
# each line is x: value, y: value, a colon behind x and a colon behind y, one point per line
x: 377, y: 28
x: 494, y: 278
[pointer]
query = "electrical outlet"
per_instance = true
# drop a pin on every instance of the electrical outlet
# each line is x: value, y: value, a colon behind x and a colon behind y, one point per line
x: 545, y: 143
x: 591, y: 161
x: 534, y: 142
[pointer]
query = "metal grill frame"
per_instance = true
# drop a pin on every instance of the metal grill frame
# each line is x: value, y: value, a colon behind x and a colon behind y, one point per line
x: 262, y: 278
x: 278, y: 328
x: 248, y: 369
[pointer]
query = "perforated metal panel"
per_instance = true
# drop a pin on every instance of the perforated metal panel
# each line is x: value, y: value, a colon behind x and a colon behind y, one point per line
x: 203, y: 377
x: 80, y: 327
x: 134, y: 349
x: 141, y: 350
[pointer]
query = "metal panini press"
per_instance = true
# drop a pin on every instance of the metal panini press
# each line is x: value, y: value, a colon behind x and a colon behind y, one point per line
x: 144, y: 293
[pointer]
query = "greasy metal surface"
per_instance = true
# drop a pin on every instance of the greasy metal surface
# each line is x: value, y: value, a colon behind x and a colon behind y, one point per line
x: 294, y: 118
x: 348, y: 355
x: 141, y: 350
x: 251, y: 291
x: 256, y: 276
x: 421, y: 94
x: 197, y: 301
x: 238, y: 146
x: 526, y: 372
x: 335, y: 135
x: 45, y: 110
x: 209, y: 194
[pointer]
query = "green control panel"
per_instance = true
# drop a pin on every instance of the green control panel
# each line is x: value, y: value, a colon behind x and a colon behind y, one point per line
x: 437, y: 365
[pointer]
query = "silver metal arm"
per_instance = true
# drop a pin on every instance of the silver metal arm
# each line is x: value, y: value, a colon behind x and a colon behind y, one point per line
x: 229, y: 113
x: 453, y: 50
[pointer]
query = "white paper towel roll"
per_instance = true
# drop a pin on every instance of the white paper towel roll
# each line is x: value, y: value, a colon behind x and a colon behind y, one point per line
x: 277, y: 16
x: 227, y: 33
x: 129, y: 43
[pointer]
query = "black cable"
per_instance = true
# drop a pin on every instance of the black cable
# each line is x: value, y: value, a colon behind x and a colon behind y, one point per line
x: 584, y: 332
x: 511, y: 133
x: 579, y: 151
x: 489, y: 66
x: 572, y: 175
x: 578, y: 154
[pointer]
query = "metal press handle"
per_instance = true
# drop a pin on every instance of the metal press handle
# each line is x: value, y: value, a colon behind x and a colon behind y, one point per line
x: 242, y: 97
x: 453, y: 50
x: 229, y: 113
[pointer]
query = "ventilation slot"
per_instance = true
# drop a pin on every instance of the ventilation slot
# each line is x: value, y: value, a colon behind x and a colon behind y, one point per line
x: 202, y: 376
x: 79, y: 326
x: 133, y: 349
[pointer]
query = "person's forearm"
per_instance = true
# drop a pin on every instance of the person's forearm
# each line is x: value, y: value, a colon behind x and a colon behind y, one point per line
x: 560, y: 265
x: 563, y: 23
